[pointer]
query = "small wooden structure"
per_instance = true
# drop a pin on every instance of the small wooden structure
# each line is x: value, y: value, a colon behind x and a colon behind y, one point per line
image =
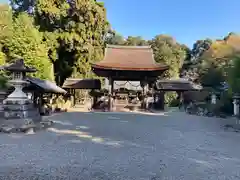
x: 128, y: 63
x: 37, y: 89
x: 72, y: 84
x: 178, y: 85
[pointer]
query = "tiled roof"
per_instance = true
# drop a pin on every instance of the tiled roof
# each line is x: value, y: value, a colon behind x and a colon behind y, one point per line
x: 46, y: 85
x: 177, y: 85
x: 129, y: 58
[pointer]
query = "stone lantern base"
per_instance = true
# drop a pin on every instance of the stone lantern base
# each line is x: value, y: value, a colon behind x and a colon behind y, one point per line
x: 20, y: 115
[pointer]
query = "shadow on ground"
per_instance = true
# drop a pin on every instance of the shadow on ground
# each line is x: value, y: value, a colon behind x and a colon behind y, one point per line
x: 88, y: 126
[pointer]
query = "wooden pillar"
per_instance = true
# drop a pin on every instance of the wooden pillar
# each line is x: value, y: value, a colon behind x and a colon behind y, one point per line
x: 161, y: 100
x: 113, y: 96
x: 74, y: 97
x: 110, y: 94
x: 180, y: 98
x: 94, y: 100
x: 154, y: 96
x: 143, y: 96
x: 71, y: 97
x: 144, y: 90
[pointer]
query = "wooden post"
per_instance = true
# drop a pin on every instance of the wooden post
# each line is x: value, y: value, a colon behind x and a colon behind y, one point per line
x: 71, y: 97
x: 112, y: 99
x: 74, y: 97
x: 110, y: 92
x: 144, y: 89
x: 41, y: 108
x: 181, y: 102
x: 161, y: 99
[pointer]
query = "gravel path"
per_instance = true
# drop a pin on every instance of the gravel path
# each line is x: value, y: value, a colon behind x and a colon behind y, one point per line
x: 123, y: 146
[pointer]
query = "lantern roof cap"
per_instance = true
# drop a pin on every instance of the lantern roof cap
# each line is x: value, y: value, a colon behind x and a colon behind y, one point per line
x: 19, y: 66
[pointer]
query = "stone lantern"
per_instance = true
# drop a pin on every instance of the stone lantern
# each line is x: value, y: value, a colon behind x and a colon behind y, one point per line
x: 213, y: 98
x: 19, y: 111
x: 236, y: 99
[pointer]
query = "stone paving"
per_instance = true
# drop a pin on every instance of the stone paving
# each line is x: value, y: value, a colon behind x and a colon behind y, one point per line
x: 123, y: 146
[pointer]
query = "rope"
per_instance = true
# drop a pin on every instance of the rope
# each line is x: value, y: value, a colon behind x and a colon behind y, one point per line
x: 121, y: 84
x: 126, y: 83
x: 133, y: 85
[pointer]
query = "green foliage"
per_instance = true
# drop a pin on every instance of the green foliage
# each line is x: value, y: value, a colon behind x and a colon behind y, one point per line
x: 209, y: 62
x: 114, y: 39
x: 76, y: 30
x: 3, y: 81
x: 226, y: 105
x: 67, y: 36
x: 234, y: 76
x: 199, y: 48
x: 168, y: 51
x: 171, y: 98
x: 25, y: 41
x: 211, y: 76
x: 135, y: 41
x: 223, y: 106
x: 3, y: 78
x: 191, y: 64
x: 174, y: 103
x: 2, y: 58
x: 214, y: 64
x: 5, y: 22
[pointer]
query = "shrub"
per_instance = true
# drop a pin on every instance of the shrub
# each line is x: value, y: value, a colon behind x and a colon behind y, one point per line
x: 170, y: 97
x: 174, y: 103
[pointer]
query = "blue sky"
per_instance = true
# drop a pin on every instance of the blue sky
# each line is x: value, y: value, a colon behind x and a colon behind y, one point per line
x: 186, y: 20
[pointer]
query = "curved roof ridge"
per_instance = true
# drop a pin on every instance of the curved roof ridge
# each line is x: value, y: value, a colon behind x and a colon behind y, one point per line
x: 127, y: 47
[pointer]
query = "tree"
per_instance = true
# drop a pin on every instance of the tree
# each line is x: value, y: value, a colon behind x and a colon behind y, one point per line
x: 78, y: 30
x: 26, y: 41
x: 192, y: 62
x: 114, y: 38
x: 234, y: 75
x: 5, y: 22
x: 135, y: 41
x: 167, y: 50
x: 214, y: 64
x: 199, y: 47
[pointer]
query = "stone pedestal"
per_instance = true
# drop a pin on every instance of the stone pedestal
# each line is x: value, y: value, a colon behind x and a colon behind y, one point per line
x: 19, y: 111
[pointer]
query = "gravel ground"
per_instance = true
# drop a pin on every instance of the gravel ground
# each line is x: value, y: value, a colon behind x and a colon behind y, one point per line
x: 123, y: 146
